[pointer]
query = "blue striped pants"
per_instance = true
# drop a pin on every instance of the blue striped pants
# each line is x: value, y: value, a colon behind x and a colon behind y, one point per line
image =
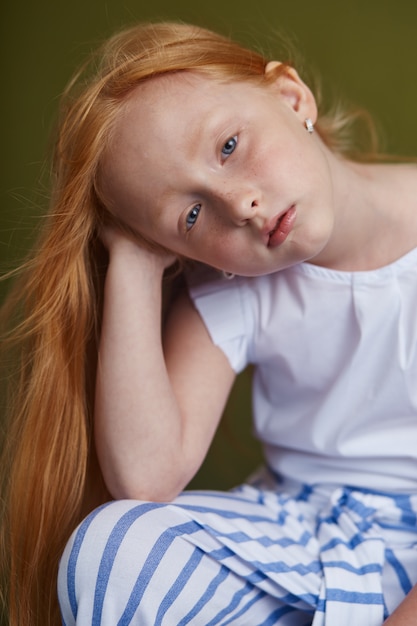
x: 265, y: 553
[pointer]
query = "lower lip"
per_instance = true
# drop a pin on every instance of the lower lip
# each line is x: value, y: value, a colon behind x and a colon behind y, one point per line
x: 285, y: 227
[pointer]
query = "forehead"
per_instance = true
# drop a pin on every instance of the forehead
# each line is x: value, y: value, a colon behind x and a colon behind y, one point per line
x: 177, y: 99
x: 177, y: 86
x: 166, y: 109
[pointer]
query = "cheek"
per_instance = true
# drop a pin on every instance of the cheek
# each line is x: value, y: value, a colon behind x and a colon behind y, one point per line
x: 216, y: 247
x: 273, y: 163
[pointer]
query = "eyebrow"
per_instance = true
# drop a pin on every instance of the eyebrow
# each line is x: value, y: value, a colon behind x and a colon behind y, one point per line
x: 165, y: 200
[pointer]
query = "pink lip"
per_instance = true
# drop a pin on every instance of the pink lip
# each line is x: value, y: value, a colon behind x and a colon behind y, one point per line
x: 280, y: 226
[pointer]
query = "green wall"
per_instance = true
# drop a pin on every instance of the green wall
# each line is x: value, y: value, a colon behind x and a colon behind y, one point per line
x: 363, y: 49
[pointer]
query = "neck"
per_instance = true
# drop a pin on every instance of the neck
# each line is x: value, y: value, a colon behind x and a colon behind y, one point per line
x: 375, y: 214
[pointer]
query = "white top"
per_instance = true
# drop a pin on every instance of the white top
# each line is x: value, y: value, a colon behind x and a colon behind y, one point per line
x: 335, y: 380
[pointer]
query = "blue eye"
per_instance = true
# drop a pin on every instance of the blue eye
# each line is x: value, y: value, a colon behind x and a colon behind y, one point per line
x: 192, y: 216
x: 229, y: 146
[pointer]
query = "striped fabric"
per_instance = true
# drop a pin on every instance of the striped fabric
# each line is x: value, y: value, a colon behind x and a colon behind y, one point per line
x: 263, y: 554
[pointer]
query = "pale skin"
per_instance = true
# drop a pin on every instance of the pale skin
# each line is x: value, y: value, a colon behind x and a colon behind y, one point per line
x: 205, y: 169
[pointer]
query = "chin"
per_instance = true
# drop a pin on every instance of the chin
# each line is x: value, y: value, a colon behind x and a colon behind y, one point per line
x: 315, y: 246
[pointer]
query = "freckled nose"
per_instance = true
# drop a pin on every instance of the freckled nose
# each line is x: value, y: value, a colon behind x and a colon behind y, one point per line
x: 242, y: 206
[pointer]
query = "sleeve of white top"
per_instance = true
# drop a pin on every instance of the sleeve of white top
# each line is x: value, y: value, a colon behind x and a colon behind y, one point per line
x: 220, y: 303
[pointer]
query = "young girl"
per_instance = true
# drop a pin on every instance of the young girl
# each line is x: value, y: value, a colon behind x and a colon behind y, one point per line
x: 185, y: 145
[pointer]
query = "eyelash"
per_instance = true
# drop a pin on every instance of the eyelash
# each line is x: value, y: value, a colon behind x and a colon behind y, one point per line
x: 228, y: 149
x: 192, y: 216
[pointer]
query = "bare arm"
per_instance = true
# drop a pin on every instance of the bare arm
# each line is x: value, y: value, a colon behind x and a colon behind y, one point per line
x: 156, y: 410
x: 406, y: 613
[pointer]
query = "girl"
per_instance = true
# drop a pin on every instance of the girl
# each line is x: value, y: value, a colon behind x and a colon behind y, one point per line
x: 184, y: 145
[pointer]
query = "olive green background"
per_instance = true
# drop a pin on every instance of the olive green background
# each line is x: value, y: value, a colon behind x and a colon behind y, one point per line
x: 365, y: 50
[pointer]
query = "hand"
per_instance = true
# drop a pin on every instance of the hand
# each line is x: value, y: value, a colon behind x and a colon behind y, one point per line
x: 116, y: 242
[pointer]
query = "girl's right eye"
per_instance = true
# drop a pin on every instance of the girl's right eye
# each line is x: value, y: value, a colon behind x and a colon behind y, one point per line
x: 192, y: 216
x: 229, y: 147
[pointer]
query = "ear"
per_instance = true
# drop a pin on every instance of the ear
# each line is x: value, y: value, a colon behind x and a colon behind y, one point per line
x: 289, y: 86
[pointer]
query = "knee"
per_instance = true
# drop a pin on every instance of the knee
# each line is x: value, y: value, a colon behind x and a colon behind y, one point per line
x: 117, y: 545
x: 108, y: 533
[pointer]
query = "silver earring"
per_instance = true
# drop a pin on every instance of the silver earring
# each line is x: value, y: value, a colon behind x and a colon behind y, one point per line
x: 227, y: 275
x: 309, y: 125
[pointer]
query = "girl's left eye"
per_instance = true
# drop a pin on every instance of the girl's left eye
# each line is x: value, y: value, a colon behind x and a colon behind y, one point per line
x: 229, y: 146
